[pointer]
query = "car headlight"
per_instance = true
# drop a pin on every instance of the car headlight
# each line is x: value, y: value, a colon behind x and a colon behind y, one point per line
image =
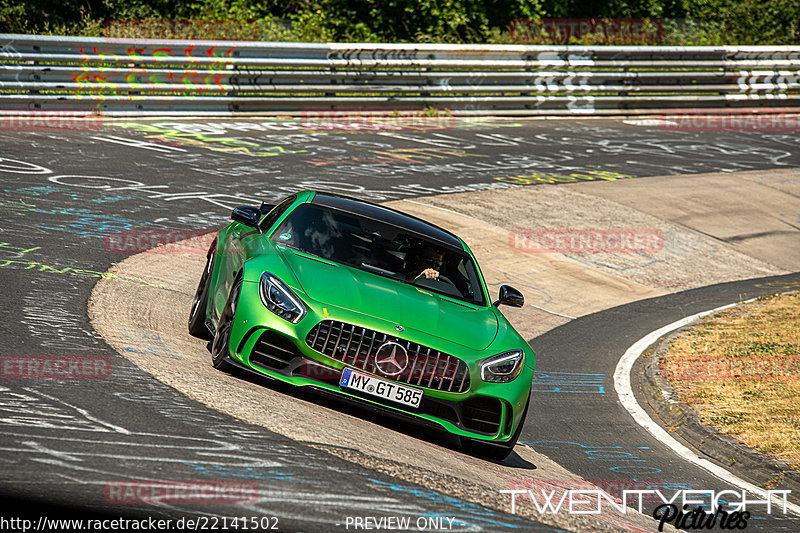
x: 280, y: 299
x: 502, y: 368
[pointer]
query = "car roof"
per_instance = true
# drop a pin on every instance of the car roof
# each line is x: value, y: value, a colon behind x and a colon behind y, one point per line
x: 388, y: 215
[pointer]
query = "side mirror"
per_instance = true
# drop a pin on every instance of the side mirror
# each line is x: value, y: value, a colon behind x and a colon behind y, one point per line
x: 266, y: 208
x: 510, y: 296
x: 247, y: 215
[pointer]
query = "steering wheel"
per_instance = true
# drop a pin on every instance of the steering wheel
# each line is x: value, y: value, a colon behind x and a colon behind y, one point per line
x: 445, y: 279
x: 433, y: 283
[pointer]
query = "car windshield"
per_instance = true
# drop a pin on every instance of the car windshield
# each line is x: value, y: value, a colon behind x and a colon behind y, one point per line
x: 382, y: 249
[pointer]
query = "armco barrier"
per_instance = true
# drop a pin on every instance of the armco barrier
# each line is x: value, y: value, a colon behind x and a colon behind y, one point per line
x: 139, y: 77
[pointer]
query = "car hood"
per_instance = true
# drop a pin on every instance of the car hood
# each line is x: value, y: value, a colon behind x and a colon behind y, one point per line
x: 394, y: 301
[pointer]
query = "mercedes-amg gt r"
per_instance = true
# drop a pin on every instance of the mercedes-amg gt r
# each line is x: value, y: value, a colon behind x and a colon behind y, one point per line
x: 372, y: 306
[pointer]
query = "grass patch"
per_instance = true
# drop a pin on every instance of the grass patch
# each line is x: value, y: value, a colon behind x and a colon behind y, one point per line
x: 740, y: 371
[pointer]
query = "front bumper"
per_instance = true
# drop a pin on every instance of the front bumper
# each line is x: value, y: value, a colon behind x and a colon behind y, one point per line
x: 268, y: 345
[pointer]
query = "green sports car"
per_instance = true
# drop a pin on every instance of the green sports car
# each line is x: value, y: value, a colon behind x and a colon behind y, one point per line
x: 369, y: 305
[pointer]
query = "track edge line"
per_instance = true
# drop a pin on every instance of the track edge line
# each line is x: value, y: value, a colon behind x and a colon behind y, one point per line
x: 622, y: 384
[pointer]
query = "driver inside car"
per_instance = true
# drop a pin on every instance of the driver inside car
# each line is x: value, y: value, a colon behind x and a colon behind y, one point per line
x: 424, y: 263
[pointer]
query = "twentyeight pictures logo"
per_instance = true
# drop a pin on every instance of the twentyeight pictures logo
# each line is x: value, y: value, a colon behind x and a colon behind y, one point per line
x: 683, y: 509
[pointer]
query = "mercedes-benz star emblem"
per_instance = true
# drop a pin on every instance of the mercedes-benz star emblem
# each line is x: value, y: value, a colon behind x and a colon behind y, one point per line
x: 391, y: 358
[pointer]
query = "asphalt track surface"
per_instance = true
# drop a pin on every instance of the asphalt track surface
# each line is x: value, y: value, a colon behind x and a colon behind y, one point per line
x: 63, y: 190
x: 580, y: 358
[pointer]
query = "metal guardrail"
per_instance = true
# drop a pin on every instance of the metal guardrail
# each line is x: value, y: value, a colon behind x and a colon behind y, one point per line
x: 131, y: 76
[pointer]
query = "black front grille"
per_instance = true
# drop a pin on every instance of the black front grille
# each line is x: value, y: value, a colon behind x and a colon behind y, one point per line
x: 273, y: 351
x: 356, y: 346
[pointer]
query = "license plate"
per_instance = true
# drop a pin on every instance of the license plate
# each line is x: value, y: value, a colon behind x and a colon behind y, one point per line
x: 381, y: 388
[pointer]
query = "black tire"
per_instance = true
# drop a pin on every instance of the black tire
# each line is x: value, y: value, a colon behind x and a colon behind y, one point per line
x: 197, y: 315
x: 495, y: 452
x: 221, y: 342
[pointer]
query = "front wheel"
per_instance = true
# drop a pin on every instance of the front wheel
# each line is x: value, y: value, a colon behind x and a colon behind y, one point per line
x: 221, y: 344
x: 495, y: 452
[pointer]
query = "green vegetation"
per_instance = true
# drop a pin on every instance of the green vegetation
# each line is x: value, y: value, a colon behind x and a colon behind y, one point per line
x: 445, y: 21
